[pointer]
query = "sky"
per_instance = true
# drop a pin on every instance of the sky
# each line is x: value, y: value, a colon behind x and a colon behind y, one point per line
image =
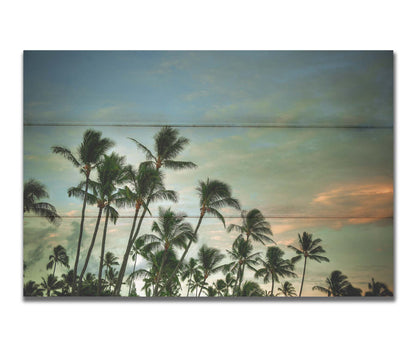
x: 308, y: 141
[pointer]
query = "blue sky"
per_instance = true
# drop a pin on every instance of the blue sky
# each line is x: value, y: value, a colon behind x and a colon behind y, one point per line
x: 285, y: 172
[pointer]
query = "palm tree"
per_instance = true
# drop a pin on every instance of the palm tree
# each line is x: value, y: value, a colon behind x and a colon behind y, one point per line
x: 32, y: 191
x: 230, y: 282
x: 171, y: 231
x: 197, y: 281
x: 254, y: 226
x: 221, y: 287
x: 140, y: 248
x: 111, y: 276
x: 51, y: 284
x: 211, y: 291
x: 287, y: 289
x: 242, y: 255
x: 189, y: 271
x: 147, y: 186
x: 251, y: 288
x: 67, y: 280
x: 336, y: 284
x: 308, y: 248
x: 168, y: 145
x: 110, y: 172
x: 59, y: 256
x: 32, y: 289
x: 378, y: 289
x: 88, y: 155
x: 209, y: 258
x: 213, y: 194
x: 274, y: 266
x: 109, y: 260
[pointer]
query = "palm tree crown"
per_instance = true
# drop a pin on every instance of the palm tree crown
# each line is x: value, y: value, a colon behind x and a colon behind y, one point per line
x: 254, y: 226
x: 33, y: 191
x: 59, y: 256
x: 308, y: 248
x: 336, y: 284
x: 168, y: 145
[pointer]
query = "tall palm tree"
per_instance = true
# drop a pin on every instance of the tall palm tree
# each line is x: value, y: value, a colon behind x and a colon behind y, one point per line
x: 274, y: 266
x: 147, y: 187
x: 96, y: 197
x: 189, y: 271
x: 59, y: 256
x: 87, y: 156
x: 51, y: 284
x: 254, y: 226
x: 336, y: 284
x: 33, y: 191
x: 308, y: 248
x: 170, y: 231
x: 378, y: 289
x: 242, y: 255
x: 209, y: 258
x: 287, y: 289
x: 32, y: 289
x: 213, y: 195
x: 112, y: 172
x: 168, y: 145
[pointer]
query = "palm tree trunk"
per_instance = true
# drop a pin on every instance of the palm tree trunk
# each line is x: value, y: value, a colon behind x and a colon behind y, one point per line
x: 237, y: 280
x: 100, y: 270
x: 271, y: 294
x: 202, y: 287
x: 54, y: 268
x: 134, y: 269
x: 127, y: 253
x: 160, y: 272
x: 303, y: 277
x: 97, y: 225
x: 189, y: 285
x: 241, y: 278
x: 184, y: 253
x: 81, y: 229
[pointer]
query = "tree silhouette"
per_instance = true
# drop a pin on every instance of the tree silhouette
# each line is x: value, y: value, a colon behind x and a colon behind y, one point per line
x: 88, y: 155
x: 308, y: 248
x: 33, y: 191
x: 59, y: 256
x: 378, y: 289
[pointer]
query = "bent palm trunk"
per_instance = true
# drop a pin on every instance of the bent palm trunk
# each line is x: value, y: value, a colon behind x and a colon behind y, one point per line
x: 100, y: 271
x: 97, y: 225
x: 81, y: 229
x: 303, y: 277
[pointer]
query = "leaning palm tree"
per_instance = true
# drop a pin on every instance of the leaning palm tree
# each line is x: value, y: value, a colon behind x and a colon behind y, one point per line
x: 33, y: 191
x: 213, y: 195
x: 51, y: 284
x: 147, y: 187
x: 287, y: 289
x: 254, y: 226
x: 32, y: 289
x: 241, y: 255
x: 170, y: 231
x: 111, y: 172
x: 87, y: 156
x: 336, y: 284
x: 308, y: 248
x: 274, y: 266
x: 209, y: 258
x: 59, y: 256
x: 168, y: 145
x: 378, y: 289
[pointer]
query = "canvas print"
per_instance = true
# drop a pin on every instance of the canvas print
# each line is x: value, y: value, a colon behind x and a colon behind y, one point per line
x: 194, y: 174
